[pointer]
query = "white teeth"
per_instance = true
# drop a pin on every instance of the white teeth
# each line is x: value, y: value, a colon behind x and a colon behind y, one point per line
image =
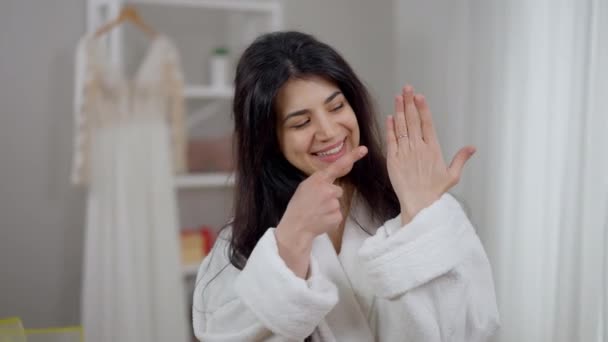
x: 332, y: 151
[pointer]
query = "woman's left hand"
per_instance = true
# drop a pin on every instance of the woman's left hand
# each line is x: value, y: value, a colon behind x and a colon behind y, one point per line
x: 416, y: 167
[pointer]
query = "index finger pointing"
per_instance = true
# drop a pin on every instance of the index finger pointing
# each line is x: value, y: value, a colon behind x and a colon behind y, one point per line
x: 342, y: 166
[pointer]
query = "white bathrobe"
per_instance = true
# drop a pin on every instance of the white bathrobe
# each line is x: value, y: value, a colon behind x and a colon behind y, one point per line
x: 429, y: 280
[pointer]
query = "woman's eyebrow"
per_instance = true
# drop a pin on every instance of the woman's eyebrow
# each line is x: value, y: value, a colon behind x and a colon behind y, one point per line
x: 332, y: 96
x: 304, y: 111
x: 296, y: 113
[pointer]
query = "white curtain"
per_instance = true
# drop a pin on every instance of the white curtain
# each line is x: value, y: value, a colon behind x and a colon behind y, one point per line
x: 539, y: 105
x: 527, y: 83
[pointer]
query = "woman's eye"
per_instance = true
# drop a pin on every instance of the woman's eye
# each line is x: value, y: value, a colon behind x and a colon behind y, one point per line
x: 302, y: 124
x: 338, y: 107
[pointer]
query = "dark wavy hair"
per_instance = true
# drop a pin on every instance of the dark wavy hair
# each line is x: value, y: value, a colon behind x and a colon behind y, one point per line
x: 265, y: 180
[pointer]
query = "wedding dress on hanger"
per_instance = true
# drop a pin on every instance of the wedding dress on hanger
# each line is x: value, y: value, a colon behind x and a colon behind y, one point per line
x: 128, y: 145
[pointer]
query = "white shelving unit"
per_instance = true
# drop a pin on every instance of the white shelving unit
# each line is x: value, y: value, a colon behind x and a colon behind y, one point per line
x: 204, y: 180
x: 101, y: 11
x: 207, y: 92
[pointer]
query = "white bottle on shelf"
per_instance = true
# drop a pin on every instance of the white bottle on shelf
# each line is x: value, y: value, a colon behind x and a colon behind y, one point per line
x: 219, y: 68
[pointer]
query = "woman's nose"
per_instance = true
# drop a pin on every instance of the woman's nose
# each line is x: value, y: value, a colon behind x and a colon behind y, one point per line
x: 326, y: 128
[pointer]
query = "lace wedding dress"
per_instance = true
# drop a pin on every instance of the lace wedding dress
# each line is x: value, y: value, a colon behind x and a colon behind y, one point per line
x: 128, y: 144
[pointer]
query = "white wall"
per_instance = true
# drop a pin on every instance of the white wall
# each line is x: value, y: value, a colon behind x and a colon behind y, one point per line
x: 432, y: 44
x: 443, y: 49
x: 40, y: 214
x: 362, y: 31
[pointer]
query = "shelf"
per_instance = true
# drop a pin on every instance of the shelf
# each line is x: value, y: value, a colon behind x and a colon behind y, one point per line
x: 207, y: 92
x: 235, y: 5
x: 190, y: 270
x: 204, y: 180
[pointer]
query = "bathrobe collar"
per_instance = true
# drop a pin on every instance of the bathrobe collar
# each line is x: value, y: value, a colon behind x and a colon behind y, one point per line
x: 348, y: 318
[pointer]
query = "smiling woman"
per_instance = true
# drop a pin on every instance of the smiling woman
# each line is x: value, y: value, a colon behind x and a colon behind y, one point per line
x: 331, y: 240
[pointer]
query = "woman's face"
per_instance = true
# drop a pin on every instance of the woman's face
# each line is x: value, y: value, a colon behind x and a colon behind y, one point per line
x: 316, y: 124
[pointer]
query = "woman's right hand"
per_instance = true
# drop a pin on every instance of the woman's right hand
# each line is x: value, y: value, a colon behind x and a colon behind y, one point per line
x: 313, y: 210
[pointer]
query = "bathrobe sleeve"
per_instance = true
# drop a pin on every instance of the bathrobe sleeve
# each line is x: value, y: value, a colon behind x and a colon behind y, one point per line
x: 431, y: 277
x: 265, y: 301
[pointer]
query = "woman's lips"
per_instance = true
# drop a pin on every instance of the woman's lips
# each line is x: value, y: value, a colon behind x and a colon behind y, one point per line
x: 333, y: 157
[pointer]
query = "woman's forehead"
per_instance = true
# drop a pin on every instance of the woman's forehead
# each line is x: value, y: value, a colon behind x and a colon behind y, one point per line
x: 303, y: 93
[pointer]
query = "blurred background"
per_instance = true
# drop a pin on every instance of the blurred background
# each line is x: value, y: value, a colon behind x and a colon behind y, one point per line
x: 523, y: 81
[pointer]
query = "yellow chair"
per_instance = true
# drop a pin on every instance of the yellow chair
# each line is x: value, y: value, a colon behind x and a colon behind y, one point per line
x: 67, y: 334
x: 11, y: 330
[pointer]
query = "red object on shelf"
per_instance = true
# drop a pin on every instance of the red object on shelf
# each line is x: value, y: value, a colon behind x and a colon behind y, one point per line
x: 196, y: 243
x: 208, y: 238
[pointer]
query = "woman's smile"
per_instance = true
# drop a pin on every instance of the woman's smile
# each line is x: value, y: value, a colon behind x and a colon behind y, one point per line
x: 333, y: 153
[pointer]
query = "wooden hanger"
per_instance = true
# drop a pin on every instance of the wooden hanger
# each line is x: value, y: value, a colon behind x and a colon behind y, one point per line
x: 128, y: 13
